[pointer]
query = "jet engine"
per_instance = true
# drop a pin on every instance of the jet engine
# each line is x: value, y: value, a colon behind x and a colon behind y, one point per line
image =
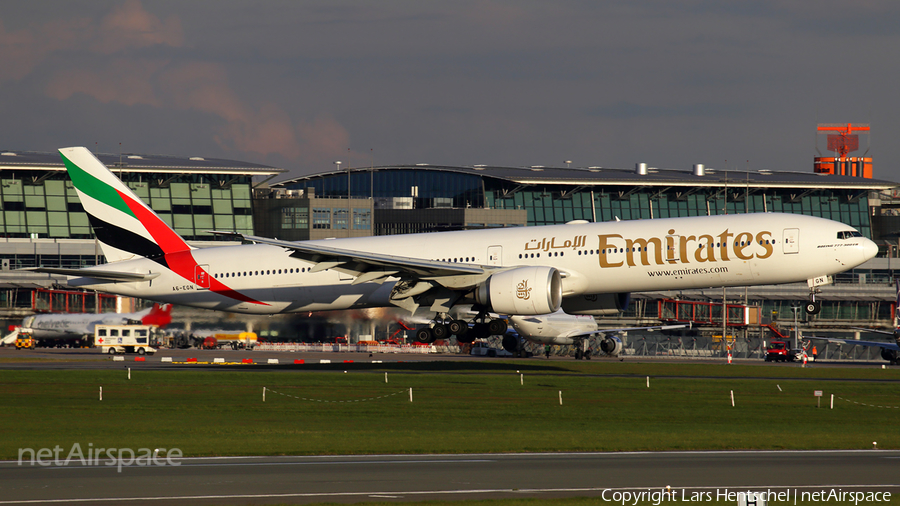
x: 597, y: 304
x: 890, y: 355
x: 522, y: 291
x: 611, y: 345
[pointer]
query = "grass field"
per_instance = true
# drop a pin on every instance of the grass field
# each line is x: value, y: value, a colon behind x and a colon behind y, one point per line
x: 456, y: 408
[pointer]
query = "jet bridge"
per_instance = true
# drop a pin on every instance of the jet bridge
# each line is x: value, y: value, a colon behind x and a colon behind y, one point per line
x: 708, y: 313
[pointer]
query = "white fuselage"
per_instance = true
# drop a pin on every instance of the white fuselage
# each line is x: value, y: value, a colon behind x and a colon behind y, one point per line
x: 557, y: 328
x: 72, y: 325
x: 611, y: 257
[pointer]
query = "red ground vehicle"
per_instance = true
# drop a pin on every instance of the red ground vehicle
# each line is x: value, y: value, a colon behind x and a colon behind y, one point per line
x: 779, y: 351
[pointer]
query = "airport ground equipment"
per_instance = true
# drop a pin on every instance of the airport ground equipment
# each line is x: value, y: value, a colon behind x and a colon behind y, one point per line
x: 24, y: 340
x: 112, y: 339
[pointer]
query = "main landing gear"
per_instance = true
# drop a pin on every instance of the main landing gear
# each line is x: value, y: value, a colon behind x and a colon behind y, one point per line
x: 582, y: 351
x: 443, y: 328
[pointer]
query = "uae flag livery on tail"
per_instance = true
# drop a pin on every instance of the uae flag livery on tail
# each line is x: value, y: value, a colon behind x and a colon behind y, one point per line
x: 127, y: 228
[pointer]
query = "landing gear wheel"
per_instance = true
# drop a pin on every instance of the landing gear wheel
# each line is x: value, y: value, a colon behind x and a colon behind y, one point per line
x: 578, y: 354
x: 497, y: 327
x: 458, y: 328
x: 440, y: 331
x: 480, y: 331
x: 424, y: 335
x: 813, y: 307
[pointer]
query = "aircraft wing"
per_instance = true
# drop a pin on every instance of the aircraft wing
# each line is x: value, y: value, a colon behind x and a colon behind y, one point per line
x: 97, y: 274
x: 443, y: 280
x: 874, y: 331
x: 626, y: 329
x: 367, y: 266
x: 880, y: 344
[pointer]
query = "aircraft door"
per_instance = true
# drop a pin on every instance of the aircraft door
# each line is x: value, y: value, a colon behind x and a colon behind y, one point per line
x: 672, y: 242
x: 791, y: 240
x: 494, y: 255
x: 201, y: 276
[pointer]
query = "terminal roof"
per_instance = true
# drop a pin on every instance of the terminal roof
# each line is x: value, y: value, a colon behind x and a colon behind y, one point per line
x: 32, y: 160
x: 603, y: 176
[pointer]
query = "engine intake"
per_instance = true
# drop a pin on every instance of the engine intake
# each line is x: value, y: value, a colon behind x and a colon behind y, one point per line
x: 522, y: 291
x: 612, y: 345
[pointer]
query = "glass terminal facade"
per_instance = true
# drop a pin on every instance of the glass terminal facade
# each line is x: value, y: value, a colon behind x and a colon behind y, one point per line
x: 556, y: 201
x: 426, y: 187
x: 192, y: 206
x: 548, y: 207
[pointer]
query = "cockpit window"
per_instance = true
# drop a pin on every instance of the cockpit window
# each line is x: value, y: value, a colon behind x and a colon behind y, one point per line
x: 847, y: 234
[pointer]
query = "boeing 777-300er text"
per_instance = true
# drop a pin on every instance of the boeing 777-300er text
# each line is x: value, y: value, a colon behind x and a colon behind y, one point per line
x: 581, y: 267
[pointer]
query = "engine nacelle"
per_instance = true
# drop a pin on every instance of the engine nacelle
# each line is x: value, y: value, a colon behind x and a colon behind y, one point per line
x: 612, y: 345
x: 522, y: 291
x: 890, y: 355
x: 597, y: 304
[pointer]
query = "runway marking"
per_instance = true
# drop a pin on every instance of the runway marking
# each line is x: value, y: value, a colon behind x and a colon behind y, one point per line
x: 427, y: 492
x: 489, y: 457
x: 77, y: 465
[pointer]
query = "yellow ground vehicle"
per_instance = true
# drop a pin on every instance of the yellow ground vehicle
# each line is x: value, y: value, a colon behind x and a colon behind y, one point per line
x: 24, y: 341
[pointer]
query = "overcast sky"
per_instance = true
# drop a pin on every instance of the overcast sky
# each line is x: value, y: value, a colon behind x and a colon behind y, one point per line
x: 300, y: 84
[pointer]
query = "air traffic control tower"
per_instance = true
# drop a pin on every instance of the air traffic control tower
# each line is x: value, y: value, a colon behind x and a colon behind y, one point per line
x: 842, y: 142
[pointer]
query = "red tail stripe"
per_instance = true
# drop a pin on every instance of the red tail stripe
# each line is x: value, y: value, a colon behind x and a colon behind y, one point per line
x: 177, y: 253
x: 165, y: 237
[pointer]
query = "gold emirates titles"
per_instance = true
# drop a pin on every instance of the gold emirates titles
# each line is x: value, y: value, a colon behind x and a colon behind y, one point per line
x: 706, y: 247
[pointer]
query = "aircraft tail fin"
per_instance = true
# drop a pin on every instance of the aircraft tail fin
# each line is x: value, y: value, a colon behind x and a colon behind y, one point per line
x: 159, y: 315
x: 125, y: 227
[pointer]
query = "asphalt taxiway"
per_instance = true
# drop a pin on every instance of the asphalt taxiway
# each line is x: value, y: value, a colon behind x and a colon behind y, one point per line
x: 303, y: 480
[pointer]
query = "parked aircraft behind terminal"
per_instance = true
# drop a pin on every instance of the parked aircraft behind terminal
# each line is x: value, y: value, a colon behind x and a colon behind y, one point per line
x: 890, y: 351
x: 583, y: 268
x: 564, y: 329
x: 77, y: 325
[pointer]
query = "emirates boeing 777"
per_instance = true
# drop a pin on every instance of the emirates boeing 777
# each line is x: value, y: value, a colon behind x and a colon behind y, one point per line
x: 581, y: 267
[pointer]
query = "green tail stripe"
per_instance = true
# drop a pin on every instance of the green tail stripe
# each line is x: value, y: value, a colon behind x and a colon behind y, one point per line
x: 95, y: 188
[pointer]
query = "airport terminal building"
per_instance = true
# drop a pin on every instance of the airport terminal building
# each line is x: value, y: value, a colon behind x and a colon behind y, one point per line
x: 42, y: 222
x: 425, y: 198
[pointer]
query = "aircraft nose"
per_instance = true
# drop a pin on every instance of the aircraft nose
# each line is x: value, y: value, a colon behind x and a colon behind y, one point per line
x: 869, y: 248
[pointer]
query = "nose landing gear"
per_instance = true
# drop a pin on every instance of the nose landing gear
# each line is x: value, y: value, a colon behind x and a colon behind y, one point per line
x: 813, y: 306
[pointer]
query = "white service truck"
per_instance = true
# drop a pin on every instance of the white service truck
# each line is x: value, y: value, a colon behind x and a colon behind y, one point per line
x: 114, y: 339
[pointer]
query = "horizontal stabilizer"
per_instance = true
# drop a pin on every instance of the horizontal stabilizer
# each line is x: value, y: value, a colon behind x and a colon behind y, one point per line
x: 96, y: 273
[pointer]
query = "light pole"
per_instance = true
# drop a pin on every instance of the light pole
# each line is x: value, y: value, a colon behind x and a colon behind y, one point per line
x: 338, y: 163
x: 795, y: 309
